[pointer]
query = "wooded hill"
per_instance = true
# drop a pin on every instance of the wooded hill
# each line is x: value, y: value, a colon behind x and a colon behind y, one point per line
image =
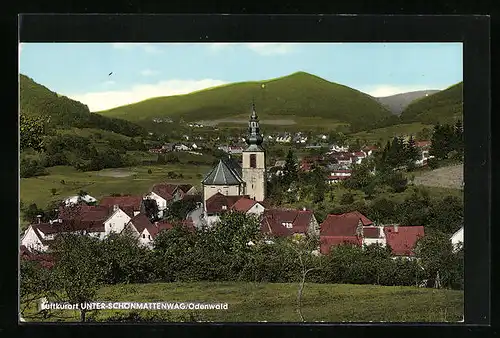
x: 443, y: 107
x: 297, y: 95
x: 35, y: 99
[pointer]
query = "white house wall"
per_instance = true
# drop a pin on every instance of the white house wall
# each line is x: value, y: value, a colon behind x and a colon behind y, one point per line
x: 257, y: 209
x: 31, y: 241
x: 117, y: 222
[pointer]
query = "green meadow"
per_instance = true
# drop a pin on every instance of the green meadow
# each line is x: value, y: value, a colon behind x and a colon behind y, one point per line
x: 277, y: 302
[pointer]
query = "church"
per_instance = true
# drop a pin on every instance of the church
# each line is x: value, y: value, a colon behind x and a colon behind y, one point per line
x: 229, y: 178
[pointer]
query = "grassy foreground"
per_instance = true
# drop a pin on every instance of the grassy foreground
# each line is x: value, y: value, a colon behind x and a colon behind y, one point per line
x: 276, y: 302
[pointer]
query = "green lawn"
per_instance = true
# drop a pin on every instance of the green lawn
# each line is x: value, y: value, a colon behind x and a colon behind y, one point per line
x: 254, y: 302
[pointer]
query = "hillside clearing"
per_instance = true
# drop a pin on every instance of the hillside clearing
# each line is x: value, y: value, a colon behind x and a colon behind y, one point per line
x: 276, y: 302
x: 446, y: 177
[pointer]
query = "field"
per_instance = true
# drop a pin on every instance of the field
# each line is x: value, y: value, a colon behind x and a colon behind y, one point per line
x: 135, y: 180
x: 446, y: 177
x: 276, y: 302
x: 385, y: 134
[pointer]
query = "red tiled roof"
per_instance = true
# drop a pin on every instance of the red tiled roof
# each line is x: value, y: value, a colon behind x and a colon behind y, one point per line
x: 185, y: 187
x: 273, y: 219
x: 243, y: 204
x: 422, y: 144
x: 359, y: 154
x: 140, y: 222
x: 134, y: 202
x: 326, y: 242
x: 82, y: 217
x: 343, y: 224
x: 403, y: 241
x: 370, y: 148
x: 371, y: 232
x: 154, y: 229
x: 215, y: 203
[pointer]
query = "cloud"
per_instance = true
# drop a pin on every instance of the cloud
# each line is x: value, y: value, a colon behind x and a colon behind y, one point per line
x: 262, y: 48
x: 97, y: 101
x: 149, y: 72
x: 388, y: 90
x: 147, y: 47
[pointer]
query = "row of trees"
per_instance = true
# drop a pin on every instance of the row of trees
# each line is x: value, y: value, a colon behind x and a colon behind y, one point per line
x: 83, y: 264
x: 447, y: 141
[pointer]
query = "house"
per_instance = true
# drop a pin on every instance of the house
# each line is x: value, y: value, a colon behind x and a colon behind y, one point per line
x: 181, y: 147
x: 235, y: 150
x: 78, y: 199
x: 141, y: 228
x: 218, y: 204
x: 132, y: 205
x: 117, y: 221
x: 339, y: 175
x: 286, y: 138
x: 167, y: 147
x: 344, y: 228
x: 368, y: 150
x: 38, y: 236
x: 358, y: 156
x: 339, y: 149
x: 424, y: 147
x: 166, y: 193
x: 287, y: 222
x: 402, y: 239
x: 83, y: 219
x: 457, y: 239
x: 248, y: 206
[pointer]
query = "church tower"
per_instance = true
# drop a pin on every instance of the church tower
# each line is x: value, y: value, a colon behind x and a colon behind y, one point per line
x: 254, y: 161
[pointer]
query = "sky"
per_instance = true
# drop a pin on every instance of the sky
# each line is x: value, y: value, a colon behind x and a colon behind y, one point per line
x: 140, y: 71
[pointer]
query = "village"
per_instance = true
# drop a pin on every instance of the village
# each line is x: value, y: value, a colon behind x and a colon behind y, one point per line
x: 237, y: 183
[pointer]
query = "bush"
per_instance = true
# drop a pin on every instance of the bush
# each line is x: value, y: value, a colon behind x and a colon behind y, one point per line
x: 150, y: 171
x: 31, y: 168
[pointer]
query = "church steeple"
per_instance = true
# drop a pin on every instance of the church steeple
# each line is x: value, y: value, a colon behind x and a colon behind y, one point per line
x: 254, y: 136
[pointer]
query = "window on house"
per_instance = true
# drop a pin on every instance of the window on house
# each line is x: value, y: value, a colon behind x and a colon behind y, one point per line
x: 143, y: 236
x: 224, y: 207
x: 149, y: 236
x: 253, y: 161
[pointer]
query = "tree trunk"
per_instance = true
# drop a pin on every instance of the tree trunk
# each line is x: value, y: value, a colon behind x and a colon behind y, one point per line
x: 82, y: 316
x: 299, y: 296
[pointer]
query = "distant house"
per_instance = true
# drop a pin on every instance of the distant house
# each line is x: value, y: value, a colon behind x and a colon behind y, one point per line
x: 181, y: 147
x: 402, y: 239
x: 286, y: 222
x: 141, y: 228
x: 78, y: 199
x: 284, y: 138
x: 235, y: 150
x: 248, y: 206
x: 345, y: 228
x: 368, y: 150
x: 339, y: 175
x: 117, y: 221
x: 280, y: 164
x: 218, y: 204
x: 131, y: 205
x: 457, y: 239
x: 167, y: 193
x: 38, y: 237
x: 167, y: 147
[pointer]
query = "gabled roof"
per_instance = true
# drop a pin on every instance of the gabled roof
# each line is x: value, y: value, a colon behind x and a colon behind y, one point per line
x: 216, y: 202
x: 402, y: 241
x: 243, y: 204
x: 273, y: 221
x: 226, y: 172
x: 165, y: 190
x: 140, y: 222
x: 82, y: 217
x: 154, y: 229
x: 134, y: 202
x: 326, y: 242
x: 343, y: 224
x: 185, y: 187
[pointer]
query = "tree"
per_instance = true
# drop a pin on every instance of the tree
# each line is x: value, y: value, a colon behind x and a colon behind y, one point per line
x: 32, y: 130
x: 178, y: 210
x: 151, y: 209
x: 290, y: 171
x: 435, y: 252
x: 412, y: 153
x: 77, y: 268
x: 303, y: 246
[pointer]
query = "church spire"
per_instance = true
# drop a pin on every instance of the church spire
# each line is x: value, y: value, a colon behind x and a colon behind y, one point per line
x: 254, y: 136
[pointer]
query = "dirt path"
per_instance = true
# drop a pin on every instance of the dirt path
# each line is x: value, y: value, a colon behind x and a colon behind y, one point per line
x: 446, y: 177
